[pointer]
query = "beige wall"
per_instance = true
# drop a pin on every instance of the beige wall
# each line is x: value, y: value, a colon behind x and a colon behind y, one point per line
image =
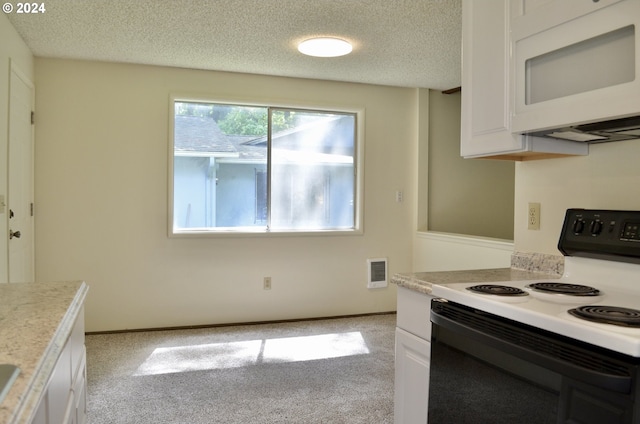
x: 433, y: 251
x: 12, y: 51
x: 465, y: 196
x: 101, y: 194
x: 101, y: 181
x: 608, y: 178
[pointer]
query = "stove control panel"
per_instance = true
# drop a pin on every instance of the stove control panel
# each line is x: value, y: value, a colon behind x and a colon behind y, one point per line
x: 601, y: 234
x: 630, y: 231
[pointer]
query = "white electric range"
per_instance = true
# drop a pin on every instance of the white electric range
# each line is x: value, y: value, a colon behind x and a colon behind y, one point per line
x: 524, y: 351
x: 599, y: 247
x: 551, y: 311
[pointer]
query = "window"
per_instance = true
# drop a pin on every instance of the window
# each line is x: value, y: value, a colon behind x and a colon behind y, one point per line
x: 243, y: 168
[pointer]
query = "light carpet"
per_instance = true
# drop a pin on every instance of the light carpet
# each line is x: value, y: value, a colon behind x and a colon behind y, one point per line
x: 318, y: 371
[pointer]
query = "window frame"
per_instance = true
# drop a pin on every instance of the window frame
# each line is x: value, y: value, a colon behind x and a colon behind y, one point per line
x: 358, y: 198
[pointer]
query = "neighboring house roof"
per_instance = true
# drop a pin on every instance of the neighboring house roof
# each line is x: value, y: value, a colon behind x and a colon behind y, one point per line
x: 200, y: 136
x: 311, y: 135
x: 196, y: 134
x: 248, y: 151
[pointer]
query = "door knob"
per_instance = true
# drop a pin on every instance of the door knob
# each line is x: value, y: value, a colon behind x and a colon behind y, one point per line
x: 13, y: 234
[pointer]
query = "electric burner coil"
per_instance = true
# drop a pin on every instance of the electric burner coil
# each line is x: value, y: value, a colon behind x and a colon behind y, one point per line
x: 564, y: 288
x: 615, y: 315
x: 497, y: 290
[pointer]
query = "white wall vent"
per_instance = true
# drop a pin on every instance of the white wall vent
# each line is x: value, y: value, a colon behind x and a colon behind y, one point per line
x: 376, y: 273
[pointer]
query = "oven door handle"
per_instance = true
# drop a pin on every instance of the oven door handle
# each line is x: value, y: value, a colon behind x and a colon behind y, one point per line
x: 605, y: 380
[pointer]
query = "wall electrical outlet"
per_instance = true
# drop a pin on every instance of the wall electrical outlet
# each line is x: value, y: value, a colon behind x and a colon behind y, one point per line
x: 533, y: 218
x: 267, y: 283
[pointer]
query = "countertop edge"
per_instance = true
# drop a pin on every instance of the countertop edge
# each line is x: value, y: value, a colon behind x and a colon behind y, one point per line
x: 27, y: 407
x: 411, y: 282
x: 524, y: 266
x: 422, y: 282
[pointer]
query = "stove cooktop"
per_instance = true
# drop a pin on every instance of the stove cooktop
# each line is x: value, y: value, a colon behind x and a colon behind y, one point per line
x: 551, y: 312
x: 602, y: 268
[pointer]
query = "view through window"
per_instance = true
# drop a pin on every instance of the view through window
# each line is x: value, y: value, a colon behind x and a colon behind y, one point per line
x: 251, y: 169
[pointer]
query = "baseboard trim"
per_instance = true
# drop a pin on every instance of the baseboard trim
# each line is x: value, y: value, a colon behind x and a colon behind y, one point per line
x: 233, y: 324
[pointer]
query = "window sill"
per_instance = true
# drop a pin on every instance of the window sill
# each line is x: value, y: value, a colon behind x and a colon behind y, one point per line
x: 263, y: 233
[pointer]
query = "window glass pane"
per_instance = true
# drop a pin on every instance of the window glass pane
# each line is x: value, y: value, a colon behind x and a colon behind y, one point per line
x: 222, y: 179
x: 220, y: 164
x: 312, y: 170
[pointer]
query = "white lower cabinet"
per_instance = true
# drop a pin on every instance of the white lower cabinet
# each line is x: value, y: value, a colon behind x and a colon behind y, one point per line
x: 59, y: 389
x: 412, y: 353
x: 412, y: 378
x: 64, y: 398
x: 80, y: 396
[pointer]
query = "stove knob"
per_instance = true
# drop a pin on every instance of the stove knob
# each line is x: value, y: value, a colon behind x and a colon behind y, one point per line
x: 596, y: 227
x: 578, y: 226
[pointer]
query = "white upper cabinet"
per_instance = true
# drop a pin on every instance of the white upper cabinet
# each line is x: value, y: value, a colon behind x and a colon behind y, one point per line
x: 486, y: 89
x: 574, y: 62
x: 530, y: 17
x: 485, y: 107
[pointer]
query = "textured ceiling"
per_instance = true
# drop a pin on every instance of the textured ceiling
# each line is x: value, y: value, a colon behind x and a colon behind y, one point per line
x: 410, y: 43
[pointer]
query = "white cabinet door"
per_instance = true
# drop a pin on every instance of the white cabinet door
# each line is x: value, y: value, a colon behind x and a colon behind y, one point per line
x: 486, y: 89
x: 413, y: 348
x: 59, y: 388
x: 42, y: 411
x: 79, y: 412
x: 532, y: 16
x: 414, y: 310
x: 411, y: 378
x: 485, y: 79
x: 64, y: 399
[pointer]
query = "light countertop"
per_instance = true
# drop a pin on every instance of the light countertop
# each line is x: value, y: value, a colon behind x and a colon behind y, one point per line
x: 35, y: 322
x: 422, y: 281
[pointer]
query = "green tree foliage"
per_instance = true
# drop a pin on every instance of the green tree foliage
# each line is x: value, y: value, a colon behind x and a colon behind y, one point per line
x: 238, y: 120
x: 253, y: 121
x: 245, y: 121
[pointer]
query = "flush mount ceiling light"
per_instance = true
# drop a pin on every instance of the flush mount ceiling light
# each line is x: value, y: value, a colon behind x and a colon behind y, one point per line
x: 325, y: 47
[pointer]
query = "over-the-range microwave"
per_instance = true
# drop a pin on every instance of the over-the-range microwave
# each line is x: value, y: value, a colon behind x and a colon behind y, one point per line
x: 577, y: 78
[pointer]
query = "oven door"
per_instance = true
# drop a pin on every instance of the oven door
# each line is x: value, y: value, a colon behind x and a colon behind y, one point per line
x: 486, y: 369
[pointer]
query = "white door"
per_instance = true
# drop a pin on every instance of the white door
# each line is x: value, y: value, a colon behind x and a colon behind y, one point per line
x: 20, y: 195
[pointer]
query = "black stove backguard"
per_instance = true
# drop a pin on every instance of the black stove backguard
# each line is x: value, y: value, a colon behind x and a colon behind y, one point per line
x: 601, y: 234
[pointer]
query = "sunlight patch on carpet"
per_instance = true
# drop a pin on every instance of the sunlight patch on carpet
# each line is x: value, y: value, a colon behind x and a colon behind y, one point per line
x: 166, y: 360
